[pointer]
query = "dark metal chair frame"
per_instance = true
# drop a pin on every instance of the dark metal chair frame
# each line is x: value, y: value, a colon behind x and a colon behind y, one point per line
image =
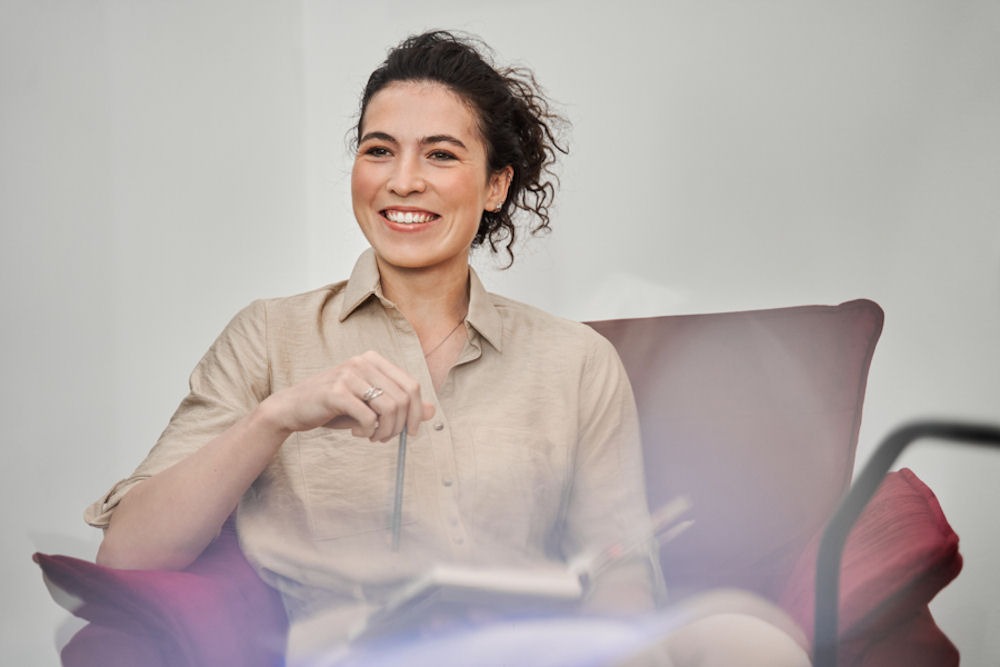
x: 850, y: 508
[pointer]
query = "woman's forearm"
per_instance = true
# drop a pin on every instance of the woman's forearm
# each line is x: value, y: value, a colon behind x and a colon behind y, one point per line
x: 166, y: 521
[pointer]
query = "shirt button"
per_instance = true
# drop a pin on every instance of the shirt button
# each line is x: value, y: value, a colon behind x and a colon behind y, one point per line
x: 438, y: 426
x: 447, y: 481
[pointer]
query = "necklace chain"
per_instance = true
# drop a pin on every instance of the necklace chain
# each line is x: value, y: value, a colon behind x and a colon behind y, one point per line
x: 435, y: 348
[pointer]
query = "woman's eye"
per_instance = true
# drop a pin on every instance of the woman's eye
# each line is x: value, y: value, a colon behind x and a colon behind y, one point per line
x: 376, y: 151
x: 442, y: 155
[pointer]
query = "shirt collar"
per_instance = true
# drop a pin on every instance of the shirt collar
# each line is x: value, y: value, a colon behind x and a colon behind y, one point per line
x: 364, y: 283
x: 483, y: 313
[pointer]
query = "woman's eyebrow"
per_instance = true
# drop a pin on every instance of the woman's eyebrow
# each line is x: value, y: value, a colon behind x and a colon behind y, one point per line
x: 443, y: 139
x: 432, y: 139
x: 378, y: 136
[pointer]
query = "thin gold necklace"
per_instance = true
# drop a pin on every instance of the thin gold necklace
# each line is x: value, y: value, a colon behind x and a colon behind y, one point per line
x: 435, y: 348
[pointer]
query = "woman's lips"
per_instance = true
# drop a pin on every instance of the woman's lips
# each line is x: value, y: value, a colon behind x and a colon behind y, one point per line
x: 408, y: 217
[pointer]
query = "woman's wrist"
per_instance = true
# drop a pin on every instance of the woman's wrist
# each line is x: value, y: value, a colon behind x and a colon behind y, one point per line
x: 266, y: 419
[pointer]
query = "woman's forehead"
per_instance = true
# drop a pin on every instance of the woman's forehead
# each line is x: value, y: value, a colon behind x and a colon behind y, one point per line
x: 419, y: 108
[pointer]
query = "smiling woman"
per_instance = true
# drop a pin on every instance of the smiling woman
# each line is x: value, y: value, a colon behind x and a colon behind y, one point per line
x: 421, y: 183
x: 523, y: 438
x: 512, y: 117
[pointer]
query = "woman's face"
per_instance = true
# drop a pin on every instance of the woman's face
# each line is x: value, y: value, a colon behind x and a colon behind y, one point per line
x: 420, y: 182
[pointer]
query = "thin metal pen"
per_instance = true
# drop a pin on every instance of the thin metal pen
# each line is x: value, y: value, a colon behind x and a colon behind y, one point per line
x: 397, y: 507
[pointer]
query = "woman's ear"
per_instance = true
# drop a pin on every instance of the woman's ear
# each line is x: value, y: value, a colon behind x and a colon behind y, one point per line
x: 499, y: 185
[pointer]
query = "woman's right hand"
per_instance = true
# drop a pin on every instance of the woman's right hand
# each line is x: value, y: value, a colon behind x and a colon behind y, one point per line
x: 334, y: 398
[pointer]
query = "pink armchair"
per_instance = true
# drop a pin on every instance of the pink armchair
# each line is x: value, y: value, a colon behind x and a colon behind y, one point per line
x: 753, y: 415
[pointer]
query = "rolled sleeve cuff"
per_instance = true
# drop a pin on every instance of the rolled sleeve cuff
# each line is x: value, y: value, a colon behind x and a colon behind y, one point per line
x: 98, y: 514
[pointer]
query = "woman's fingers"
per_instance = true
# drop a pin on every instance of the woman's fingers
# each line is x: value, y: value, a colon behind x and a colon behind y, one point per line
x: 390, y: 405
x: 367, y: 394
x: 348, y: 389
x: 393, y: 398
x: 406, y: 394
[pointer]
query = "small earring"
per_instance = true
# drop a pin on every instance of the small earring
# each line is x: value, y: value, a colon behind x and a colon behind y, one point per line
x: 498, y: 207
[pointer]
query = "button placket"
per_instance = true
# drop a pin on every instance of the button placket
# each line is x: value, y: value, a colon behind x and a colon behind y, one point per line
x: 438, y: 435
x: 441, y: 436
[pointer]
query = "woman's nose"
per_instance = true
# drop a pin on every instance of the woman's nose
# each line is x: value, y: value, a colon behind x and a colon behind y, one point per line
x: 407, y: 177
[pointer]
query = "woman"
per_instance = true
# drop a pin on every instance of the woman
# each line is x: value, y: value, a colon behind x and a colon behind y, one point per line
x: 523, y: 440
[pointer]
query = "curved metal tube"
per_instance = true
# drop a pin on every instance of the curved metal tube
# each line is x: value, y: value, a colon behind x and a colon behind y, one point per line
x: 861, y: 491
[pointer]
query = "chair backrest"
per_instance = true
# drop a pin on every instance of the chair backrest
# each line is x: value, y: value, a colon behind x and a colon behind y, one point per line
x: 754, y: 416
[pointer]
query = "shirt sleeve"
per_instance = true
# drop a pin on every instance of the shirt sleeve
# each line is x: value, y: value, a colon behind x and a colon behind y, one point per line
x: 607, y: 506
x: 228, y: 382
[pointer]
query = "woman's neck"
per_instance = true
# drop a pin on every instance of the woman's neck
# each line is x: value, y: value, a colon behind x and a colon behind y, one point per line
x: 434, y: 302
x: 429, y: 300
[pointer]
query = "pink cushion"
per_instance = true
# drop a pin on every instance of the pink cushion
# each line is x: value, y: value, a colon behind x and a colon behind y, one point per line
x: 195, y: 617
x: 754, y: 416
x: 106, y: 646
x: 899, y: 554
x: 915, y: 642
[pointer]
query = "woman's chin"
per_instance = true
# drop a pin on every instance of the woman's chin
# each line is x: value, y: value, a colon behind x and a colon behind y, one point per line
x: 416, y: 256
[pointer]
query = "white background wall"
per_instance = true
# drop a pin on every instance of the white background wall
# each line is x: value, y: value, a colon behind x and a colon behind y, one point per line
x: 162, y: 163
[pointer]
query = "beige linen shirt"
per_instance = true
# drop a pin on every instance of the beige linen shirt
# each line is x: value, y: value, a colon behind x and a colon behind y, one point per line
x: 532, y: 456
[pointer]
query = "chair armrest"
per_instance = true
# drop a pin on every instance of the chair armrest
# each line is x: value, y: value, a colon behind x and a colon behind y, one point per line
x: 216, y: 612
x: 837, y: 530
x: 899, y: 554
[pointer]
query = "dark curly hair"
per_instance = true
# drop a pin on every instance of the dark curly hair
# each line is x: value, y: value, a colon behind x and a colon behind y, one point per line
x: 515, y: 121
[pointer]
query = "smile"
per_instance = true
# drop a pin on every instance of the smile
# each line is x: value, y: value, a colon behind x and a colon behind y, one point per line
x: 409, y: 217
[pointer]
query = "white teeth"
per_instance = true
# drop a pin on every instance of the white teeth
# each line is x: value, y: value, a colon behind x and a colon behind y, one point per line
x: 408, y: 217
